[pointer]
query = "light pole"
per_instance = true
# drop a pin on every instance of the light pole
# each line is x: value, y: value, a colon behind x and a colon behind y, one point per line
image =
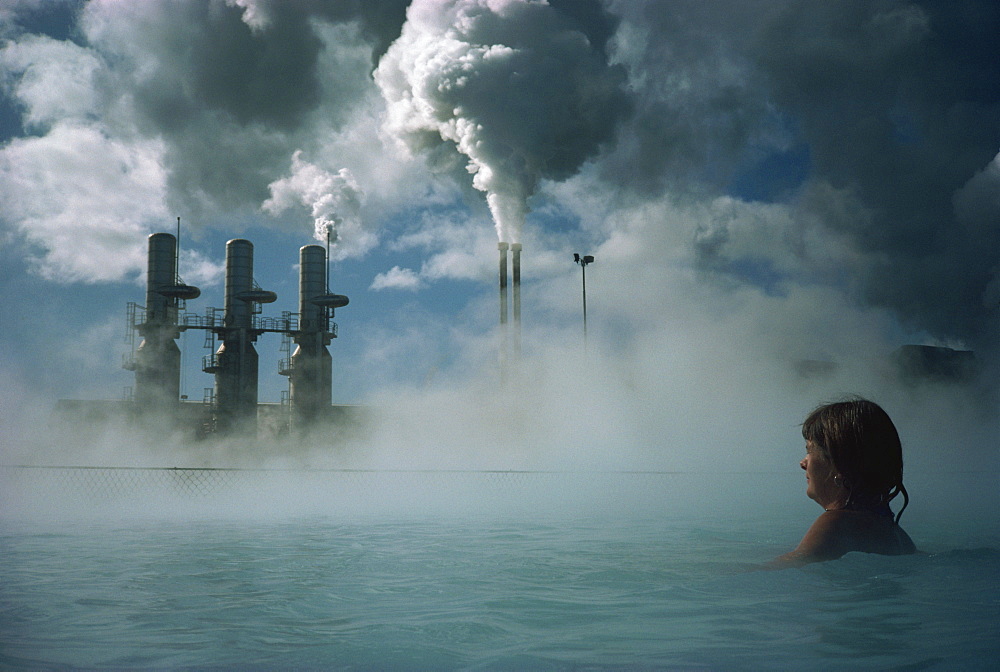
x: 583, y: 261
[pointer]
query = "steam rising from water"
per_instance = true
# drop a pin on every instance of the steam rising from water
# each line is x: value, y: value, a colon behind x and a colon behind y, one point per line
x: 724, y: 427
x: 724, y: 305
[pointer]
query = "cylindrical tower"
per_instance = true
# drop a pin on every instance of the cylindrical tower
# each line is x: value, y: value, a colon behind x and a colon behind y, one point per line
x: 239, y: 281
x: 236, y: 365
x: 503, y: 247
x: 158, y: 359
x: 312, y: 284
x: 310, y: 377
x: 515, y: 250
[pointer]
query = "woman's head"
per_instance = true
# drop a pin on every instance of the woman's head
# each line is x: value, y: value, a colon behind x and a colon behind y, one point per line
x: 860, y: 441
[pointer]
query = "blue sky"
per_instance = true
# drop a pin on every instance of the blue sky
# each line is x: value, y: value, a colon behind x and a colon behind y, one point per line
x: 761, y: 183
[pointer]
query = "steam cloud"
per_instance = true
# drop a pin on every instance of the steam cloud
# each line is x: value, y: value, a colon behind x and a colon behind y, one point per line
x: 761, y: 182
x: 516, y: 86
x: 851, y: 145
x: 128, y: 124
x: 871, y: 126
x: 335, y: 202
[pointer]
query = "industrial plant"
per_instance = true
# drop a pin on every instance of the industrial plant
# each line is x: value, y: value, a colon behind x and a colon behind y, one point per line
x: 231, y: 406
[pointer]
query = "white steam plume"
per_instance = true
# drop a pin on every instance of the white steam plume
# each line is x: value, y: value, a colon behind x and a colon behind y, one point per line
x: 517, y: 87
x: 335, y: 202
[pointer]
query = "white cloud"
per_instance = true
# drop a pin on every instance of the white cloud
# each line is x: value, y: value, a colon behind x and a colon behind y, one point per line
x: 197, y: 269
x: 52, y: 79
x: 84, y: 200
x: 397, y: 278
x: 334, y: 200
x: 256, y: 13
x: 977, y: 203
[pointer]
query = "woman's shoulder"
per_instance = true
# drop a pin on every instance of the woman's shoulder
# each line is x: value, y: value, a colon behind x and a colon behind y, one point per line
x: 826, y: 539
x: 837, y: 532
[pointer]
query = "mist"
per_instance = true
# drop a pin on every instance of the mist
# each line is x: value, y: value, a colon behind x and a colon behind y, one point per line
x: 708, y: 410
x: 777, y: 200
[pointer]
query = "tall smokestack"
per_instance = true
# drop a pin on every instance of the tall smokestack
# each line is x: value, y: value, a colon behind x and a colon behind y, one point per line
x: 503, y: 247
x: 515, y: 249
x: 311, y: 370
x: 236, y: 370
x: 158, y: 359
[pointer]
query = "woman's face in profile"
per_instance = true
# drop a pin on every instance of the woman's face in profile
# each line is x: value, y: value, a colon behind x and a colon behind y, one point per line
x: 820, y: 485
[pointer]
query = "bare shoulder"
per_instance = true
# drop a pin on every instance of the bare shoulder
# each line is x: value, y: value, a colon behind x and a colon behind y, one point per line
x: 826, y: 539
x: 835, y: 533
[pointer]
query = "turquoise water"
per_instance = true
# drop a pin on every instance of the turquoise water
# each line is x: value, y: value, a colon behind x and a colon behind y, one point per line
x: 137, y: 581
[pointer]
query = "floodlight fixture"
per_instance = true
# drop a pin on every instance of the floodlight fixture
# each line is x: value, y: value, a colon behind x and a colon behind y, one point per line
x: 583, y: 261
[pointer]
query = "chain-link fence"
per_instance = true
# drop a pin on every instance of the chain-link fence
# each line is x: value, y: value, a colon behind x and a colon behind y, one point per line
x: 326, y: 489
x: 124, y: 482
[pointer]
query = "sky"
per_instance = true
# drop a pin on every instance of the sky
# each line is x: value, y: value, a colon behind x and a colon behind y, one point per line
x: 778, y: 194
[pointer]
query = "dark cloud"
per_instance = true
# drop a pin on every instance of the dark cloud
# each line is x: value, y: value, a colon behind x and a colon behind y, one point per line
x: 263, y: 76
x: 224, y: 97
x: 53, y: 18
x: 899, y: 108
x: 874, y: 115
x: 380, y: 22
x: 234, y: 97
x: 700, y: 106
x: 871, y: 126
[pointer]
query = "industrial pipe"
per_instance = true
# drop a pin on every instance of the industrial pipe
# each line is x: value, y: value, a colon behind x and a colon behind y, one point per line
x: 515, y: 249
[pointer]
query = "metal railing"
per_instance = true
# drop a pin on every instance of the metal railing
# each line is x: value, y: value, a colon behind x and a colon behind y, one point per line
x: 210, y: 363
x: 212, y: 319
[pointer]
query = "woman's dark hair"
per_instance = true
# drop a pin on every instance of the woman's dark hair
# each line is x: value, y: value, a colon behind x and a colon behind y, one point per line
x: 861, y: 442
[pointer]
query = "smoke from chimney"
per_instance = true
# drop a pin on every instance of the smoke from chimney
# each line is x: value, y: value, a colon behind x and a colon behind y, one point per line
x: 518, y: 88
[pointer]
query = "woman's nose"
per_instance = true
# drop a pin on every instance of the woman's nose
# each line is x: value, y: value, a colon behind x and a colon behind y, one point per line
x: 802, y: 463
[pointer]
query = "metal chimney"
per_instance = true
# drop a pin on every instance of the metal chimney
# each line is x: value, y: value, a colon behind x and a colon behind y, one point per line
x: 236, y: 358
x: 310, y: 376
x: 515, y: 249
x: 503, y: 247
x: 158, y: 359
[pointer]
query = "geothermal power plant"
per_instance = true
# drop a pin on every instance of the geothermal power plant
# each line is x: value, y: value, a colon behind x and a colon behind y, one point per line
x: 232, y: 405
x: 231, y: 332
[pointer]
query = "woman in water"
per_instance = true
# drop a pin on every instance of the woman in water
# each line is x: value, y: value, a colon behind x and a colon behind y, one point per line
x: 854, y: 468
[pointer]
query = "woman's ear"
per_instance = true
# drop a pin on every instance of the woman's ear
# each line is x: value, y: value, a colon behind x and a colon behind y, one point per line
x: 841, y: 482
